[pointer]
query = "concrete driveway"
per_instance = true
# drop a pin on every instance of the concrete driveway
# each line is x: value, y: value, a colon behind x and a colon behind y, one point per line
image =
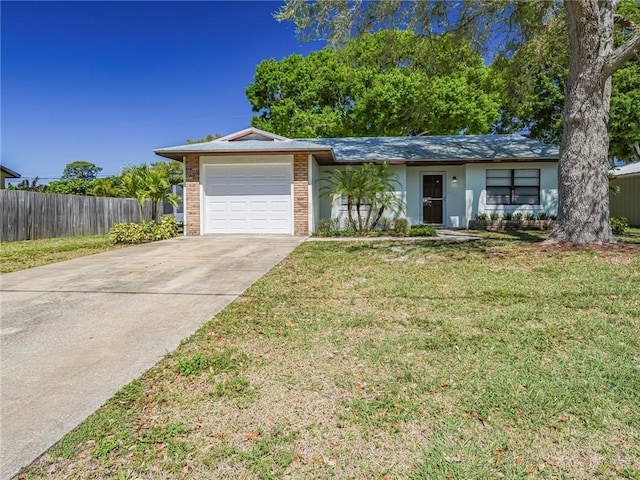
x: 74, y: 332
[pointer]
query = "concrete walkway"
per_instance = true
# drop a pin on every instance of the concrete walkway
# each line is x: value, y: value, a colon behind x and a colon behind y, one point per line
x: 73, y: 333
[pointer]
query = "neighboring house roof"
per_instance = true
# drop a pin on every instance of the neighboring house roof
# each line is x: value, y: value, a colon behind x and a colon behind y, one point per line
x: 408, y: 149
x: 629, y: 169
x: 8, y: 173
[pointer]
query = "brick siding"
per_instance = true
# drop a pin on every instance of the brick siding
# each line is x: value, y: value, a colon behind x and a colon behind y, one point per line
x: 300, y: 194
x: 192, y: 188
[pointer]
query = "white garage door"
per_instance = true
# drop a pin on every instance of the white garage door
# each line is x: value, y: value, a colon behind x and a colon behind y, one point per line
x: 248, y: 198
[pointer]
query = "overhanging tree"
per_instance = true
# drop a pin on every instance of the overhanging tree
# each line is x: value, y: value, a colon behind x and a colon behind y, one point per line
x: 537, y: 75
x: 583, y: 213
x: 386, y: 83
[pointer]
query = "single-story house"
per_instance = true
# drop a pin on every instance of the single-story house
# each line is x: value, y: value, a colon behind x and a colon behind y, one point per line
x: 254, y: 181
x: 6, y: 173
x: 627, y: 202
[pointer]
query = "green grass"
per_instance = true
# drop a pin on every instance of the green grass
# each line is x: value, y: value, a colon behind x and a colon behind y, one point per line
x: 631, y: 235
x: 26, y: 254
x: 371, y: 360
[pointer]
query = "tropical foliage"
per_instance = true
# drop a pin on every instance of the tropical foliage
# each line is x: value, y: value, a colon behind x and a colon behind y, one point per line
x: 369, y: 192
x: 151, y: 182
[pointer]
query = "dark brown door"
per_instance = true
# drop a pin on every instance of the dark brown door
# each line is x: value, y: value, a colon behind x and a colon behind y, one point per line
x: 432, y: 199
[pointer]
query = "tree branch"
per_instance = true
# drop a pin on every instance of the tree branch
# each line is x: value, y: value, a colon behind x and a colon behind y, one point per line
x: 623, y: 53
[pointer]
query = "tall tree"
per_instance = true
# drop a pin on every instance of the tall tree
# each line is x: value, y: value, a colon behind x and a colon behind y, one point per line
x: 583, y: 214
x: 537, y: 76
x: 387, y: 83
x: 80, y: 169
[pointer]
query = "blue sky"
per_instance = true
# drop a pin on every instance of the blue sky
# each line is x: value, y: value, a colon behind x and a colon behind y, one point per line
x: 108, y: 82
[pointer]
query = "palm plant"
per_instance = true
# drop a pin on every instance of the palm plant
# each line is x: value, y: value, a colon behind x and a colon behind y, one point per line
x: 153, y: 183
x: 369, y: 191
x: 132, y: 185
x: 106, y: 187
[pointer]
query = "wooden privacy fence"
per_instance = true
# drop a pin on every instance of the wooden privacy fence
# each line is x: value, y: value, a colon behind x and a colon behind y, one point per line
x: 31, y: 215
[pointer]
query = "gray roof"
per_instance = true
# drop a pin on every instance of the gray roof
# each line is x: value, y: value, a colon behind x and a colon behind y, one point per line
x: 245, y: 141
x: 458, y: 147
x: 629, y: 169
x: 242, y: 146
x: 455, y: 148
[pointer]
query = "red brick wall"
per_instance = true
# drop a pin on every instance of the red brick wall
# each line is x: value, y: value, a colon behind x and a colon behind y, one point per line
x: 192, y: 188
x: 300, y: 194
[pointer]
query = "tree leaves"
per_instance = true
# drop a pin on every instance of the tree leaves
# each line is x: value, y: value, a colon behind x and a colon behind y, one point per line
x: 387, y: 83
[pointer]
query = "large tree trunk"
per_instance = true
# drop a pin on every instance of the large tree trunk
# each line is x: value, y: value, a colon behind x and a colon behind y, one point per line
x: 583, y: 189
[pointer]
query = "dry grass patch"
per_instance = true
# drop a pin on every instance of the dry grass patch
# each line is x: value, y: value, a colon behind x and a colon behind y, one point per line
x: 373, y: 360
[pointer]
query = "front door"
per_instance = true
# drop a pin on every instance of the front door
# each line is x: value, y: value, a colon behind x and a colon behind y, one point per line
x: 432, y: 199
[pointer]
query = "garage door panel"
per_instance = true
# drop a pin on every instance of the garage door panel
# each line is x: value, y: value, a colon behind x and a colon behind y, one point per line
x: 248, y: 199
x: 280, y: 206
x: 258, y: 207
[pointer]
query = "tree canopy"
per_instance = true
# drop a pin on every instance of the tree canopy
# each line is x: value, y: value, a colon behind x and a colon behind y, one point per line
x: 385, y: 83
x: 81, y: 170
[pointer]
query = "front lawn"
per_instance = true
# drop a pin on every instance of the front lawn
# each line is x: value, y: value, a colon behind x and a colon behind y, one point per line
x: 374, y: 360
x: 34, y: 253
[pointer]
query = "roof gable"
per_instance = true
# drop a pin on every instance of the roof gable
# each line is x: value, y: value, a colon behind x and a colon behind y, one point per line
x: 252, y: 134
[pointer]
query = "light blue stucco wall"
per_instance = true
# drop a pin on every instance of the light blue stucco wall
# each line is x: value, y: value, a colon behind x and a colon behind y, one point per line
x: 464, y: 198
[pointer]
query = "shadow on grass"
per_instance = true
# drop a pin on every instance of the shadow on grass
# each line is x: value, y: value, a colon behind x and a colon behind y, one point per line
x: 529, y: 236
x: 462, y: 246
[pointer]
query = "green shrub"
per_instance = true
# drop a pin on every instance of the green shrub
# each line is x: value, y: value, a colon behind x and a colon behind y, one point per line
x: 494, y: 216
x: 127, y: 233
x: 401, y: 226
x: 483, y: 217
x: 422, y: 231
x: 517, y: 217
x: 167, y: 228
x: 618, y: 225
x: 542, y: 215
x: 507, y: 216
x: 530, y: 216
x: 131, y: 233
